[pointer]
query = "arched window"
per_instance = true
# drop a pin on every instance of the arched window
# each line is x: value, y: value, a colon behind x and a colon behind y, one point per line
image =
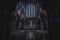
x: 30, y: 36
x: 30, y: 10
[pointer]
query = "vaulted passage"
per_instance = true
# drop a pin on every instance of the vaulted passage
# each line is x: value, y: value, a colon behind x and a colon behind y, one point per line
x: 29, y: 21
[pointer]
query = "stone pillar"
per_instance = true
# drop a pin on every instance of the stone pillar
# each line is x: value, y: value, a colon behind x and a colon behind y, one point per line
x: 42, y: 25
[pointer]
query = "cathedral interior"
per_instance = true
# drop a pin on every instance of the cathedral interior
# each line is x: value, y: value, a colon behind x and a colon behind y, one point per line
x: 30, y: 20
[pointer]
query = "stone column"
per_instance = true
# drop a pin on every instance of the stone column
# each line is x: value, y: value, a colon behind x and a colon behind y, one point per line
x: 42, y: 25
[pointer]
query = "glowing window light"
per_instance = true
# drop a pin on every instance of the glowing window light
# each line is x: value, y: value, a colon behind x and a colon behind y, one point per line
x: 30, y: 10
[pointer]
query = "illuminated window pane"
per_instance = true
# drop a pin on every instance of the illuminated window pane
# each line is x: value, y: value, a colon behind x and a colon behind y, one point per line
x: 31, y: 36
x: 30, y: 10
